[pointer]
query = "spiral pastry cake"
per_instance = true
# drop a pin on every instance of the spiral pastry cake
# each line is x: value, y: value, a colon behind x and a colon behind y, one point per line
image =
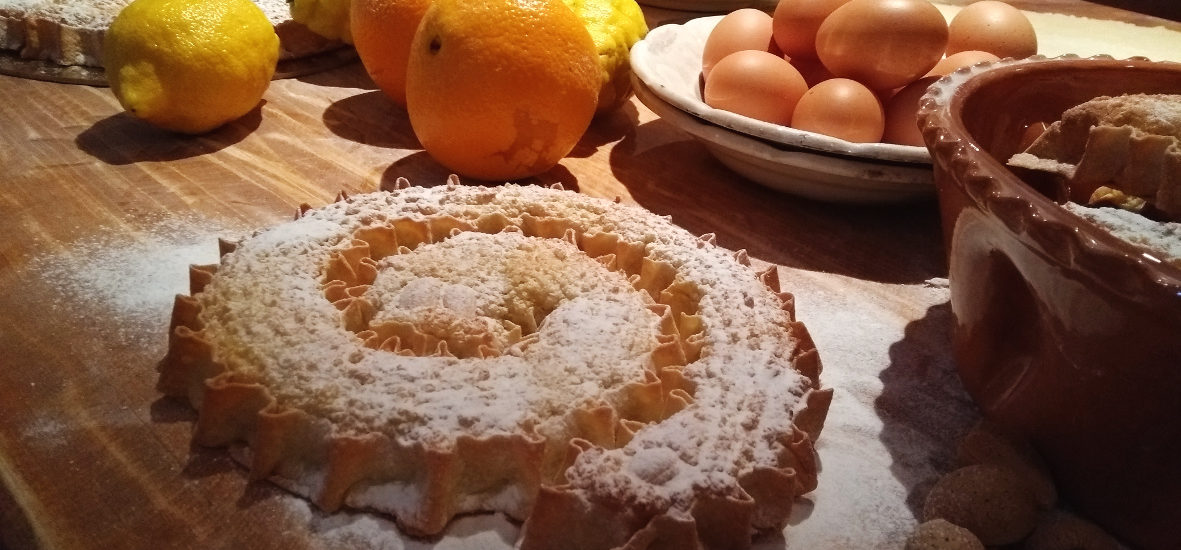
x: 581, y: 365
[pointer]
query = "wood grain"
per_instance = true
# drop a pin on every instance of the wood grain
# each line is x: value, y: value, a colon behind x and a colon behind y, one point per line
x: 86, y: 439
x: 96, y: 208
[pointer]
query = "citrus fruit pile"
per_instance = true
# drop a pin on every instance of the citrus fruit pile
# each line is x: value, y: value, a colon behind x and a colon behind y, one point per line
x: 497, y: 89
x: 494, y: 89
x: 190, y: 66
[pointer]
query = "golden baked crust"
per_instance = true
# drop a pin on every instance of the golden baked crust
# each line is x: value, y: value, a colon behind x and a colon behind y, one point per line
x: 582, y: 365
x: 1123, y: 151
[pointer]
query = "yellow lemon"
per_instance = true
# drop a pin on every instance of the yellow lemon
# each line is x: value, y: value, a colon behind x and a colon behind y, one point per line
x: 501, y: 89
x: 615, y: 26
x: 190, y: 65
x: 327, y: 18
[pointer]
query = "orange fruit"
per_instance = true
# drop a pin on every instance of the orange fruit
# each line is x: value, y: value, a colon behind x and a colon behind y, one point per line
x: 382, y: 31
x: 501, y: 89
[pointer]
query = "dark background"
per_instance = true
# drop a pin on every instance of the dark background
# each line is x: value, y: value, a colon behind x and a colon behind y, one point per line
x: 1168, y: 9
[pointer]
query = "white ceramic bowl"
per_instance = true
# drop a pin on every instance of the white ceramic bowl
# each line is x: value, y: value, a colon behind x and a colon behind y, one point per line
x: 667, y: 72
x: 816, y: 176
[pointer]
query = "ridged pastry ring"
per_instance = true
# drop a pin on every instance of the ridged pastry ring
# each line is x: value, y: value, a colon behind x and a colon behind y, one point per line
x: 579, y: 364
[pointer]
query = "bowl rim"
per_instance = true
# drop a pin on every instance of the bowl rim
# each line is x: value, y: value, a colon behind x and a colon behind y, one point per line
x: 1065, y: 237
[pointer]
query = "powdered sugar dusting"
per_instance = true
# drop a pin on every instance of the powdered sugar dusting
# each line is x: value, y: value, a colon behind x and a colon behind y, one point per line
x: 1162, y: 239
x: 898, y: 410
x: 575, y: 360
x: 365, y: 531
x: 890, y: 433
x: 134, y: 277
x: 265, y: 314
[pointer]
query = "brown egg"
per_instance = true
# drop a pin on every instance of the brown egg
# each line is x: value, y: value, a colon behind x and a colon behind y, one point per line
x: 882, y: 43
x: 902, y: 108
x: 994, y: 27
x: 756, y: 84
x: 795, y: 23
x: 742, y: 29
x: 840, y: 108
x: 966, y: 58
x: 813, y: 70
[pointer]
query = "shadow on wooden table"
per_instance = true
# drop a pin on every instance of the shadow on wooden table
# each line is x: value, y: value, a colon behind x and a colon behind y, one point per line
x: 677, y: 176
x: 606, y: 129
x: 923, y: 405
x: 373, y: 119
x: 350, y: 73
x: 423, y: 171
x: 138, y: 141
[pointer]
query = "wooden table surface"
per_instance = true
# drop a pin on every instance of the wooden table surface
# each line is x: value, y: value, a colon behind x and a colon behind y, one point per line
x: 100, y: 216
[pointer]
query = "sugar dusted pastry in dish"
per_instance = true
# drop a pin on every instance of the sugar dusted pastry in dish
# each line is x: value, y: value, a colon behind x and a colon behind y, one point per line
x: 1123, y: 151
x: 582, y: 365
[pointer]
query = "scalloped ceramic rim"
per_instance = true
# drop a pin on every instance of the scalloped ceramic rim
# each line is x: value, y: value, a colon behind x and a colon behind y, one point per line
x: 936, y: 114
x: 668, y: 61
x: 1058, y: 323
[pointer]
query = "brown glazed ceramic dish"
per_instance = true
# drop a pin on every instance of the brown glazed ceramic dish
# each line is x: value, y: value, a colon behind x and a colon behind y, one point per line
x: 1062, y: 332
